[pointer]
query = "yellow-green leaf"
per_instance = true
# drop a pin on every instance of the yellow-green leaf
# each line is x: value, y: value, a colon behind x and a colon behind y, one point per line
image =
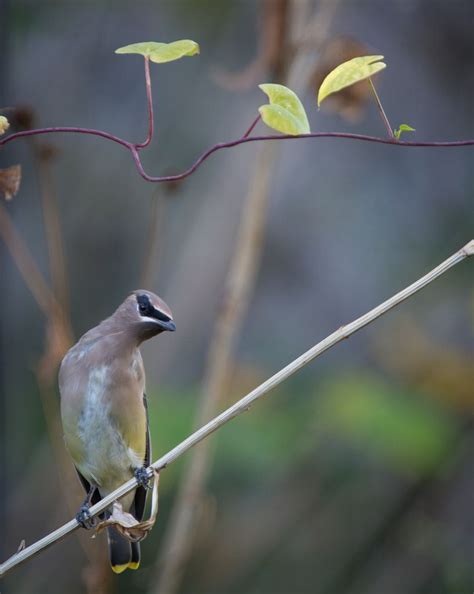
x: 349, y: 73
x: 403, y: 128
x: 161, y: 52
x: 285, y: 113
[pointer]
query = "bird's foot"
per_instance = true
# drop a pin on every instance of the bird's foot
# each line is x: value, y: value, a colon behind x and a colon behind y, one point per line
x: 85, y: 519
x: 142, y: 477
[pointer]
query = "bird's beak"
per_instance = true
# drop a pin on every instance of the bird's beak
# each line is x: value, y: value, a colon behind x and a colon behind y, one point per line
x: 169, y: 326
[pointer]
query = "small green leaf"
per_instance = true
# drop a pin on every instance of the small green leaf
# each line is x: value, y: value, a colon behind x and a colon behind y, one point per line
x: 161, y: 52
x: 403, y: 128
x: 285, y: 113
x: 349, y: 73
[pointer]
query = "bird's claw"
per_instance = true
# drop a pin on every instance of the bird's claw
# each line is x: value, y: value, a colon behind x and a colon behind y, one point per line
x: 84, y: 518
x: 142, y: 477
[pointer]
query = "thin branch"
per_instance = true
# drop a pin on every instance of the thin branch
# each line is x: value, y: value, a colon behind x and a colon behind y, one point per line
x: 67, y: 130
x: 346, y: 135
x: 382, y: 111
x: 149, y: 99
x: 244, y: 404
x: 133, y: 148
x: 26, y: 265
x: 251, y: 127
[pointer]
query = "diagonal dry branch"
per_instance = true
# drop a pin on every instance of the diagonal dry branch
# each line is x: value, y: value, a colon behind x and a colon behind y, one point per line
x: 244, y: 403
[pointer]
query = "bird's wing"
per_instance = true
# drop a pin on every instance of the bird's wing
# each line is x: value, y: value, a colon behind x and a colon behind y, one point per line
x: 87, y: 486
x: 140, y: 493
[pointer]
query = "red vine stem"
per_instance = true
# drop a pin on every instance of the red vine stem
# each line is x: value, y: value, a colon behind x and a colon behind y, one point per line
x: 66, y: 129
x: 251, y: 127
x: 134, y: 148
x: 149, y: 99
x: 243, y: 140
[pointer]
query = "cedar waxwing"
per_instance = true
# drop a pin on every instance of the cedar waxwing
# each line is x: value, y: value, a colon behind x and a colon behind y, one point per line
x: 104, y: 411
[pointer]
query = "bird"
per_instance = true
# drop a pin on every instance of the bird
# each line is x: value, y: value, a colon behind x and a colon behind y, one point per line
x: 104, y: 412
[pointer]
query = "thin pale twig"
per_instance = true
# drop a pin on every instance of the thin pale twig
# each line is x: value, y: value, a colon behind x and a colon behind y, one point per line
x: 382, y: 111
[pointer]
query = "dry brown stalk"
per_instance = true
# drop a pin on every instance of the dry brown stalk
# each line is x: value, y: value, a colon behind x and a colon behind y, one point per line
x: 181, y: 531
x: 58, y: 336
x: 26, y: 265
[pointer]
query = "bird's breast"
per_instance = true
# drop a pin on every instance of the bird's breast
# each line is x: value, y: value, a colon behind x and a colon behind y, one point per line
x: 108, y: 440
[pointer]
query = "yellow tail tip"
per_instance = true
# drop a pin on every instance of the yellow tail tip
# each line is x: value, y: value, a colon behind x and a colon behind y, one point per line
x: 120, y: 568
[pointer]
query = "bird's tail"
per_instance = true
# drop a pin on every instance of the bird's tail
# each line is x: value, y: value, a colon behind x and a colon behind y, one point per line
x: 136, y: 556
x: 123, y: 553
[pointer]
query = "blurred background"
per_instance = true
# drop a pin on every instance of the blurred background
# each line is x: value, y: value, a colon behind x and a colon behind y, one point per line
x: 354, y: 476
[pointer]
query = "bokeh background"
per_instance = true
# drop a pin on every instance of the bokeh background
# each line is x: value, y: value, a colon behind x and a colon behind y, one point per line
x: 354, y: 476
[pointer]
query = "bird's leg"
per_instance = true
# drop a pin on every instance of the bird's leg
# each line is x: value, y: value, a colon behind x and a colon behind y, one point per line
x: 142, y: 477
x: 83, y: 516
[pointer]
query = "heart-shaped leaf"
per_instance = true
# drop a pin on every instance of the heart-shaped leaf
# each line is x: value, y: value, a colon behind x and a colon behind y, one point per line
x: 161, y: 52
x: 349, y: 73
x: 285, y: 113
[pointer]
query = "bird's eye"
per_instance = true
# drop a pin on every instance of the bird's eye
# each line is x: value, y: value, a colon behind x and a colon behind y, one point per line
x: 144, y: 305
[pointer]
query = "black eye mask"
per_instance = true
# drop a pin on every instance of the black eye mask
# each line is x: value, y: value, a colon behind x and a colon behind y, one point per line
x: 146, y: 309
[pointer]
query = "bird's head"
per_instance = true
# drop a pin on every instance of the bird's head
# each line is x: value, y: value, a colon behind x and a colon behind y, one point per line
x: 147, y: 314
